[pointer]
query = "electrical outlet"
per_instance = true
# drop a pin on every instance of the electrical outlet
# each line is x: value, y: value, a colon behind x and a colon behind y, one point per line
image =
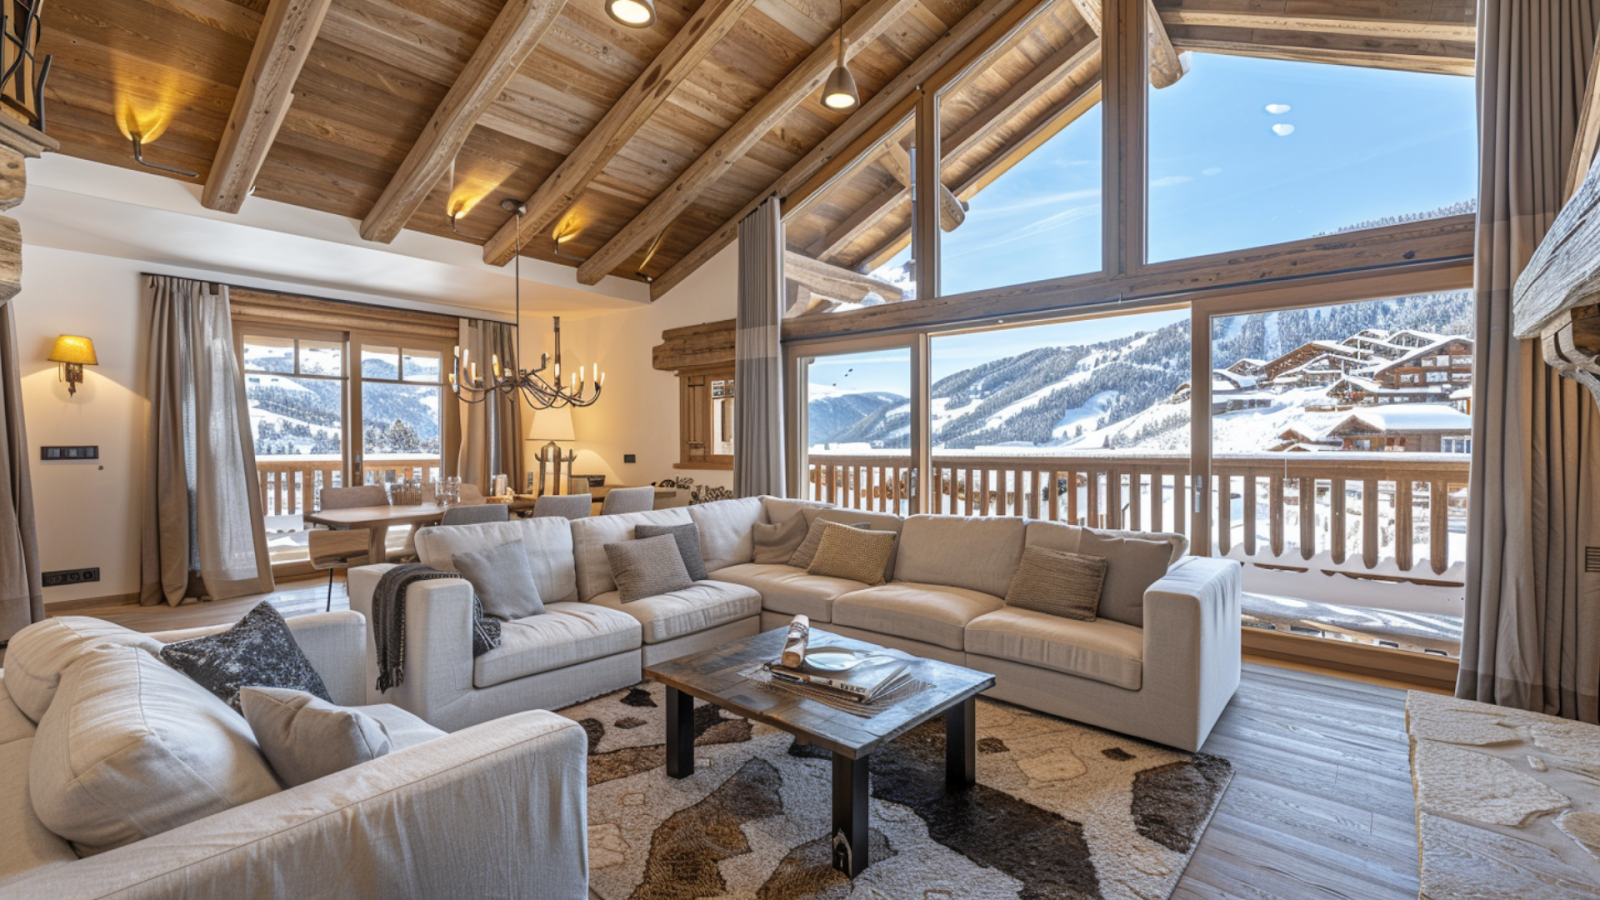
x: 629, y: 458
x: 63, y: 577
x: 1591, y: 559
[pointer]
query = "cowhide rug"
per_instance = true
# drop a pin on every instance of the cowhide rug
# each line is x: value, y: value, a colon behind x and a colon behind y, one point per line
x: 1060, y: 811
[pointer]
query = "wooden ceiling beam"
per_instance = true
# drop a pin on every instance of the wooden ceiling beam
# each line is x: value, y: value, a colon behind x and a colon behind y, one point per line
x: 282, y: 45
x: 561, y: 189
x: 1372, y: 59
x: 1406, y: 29
x: 805, y: 79
x: 1167, y: 65
x: 518, y: 28
x: 986, y: 25
x: 837, y: 282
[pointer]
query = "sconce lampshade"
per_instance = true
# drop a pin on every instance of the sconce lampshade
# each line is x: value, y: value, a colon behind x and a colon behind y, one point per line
x: 554, y: 424
x: 73, y: 349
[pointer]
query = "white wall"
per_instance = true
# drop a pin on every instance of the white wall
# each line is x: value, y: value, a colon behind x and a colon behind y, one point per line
x: 87, y: 512
x: 638, y: 413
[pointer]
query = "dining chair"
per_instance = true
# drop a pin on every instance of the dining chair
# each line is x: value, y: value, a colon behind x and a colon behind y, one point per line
x: 570, y: 506
x: 344, y: 547
x: 627, y: 500
x: 476, y: 515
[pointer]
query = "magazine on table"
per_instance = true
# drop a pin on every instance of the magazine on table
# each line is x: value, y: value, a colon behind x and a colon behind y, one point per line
x: 859, y: 674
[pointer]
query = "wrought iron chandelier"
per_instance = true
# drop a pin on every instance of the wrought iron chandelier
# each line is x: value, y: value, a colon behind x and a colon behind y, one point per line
x: 469, y: 385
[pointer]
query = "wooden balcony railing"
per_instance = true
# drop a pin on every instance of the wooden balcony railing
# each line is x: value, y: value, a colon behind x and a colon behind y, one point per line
x: 290, y: 485
x: 1368, y: 512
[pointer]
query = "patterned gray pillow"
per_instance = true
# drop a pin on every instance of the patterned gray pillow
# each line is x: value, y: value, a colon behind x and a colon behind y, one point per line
x: 647, y: 567
x: 688, y: 537
x: 1058, y: 582
x: 259, y: 651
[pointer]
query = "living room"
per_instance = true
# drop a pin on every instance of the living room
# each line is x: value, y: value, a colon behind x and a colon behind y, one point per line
x: 549, y: 448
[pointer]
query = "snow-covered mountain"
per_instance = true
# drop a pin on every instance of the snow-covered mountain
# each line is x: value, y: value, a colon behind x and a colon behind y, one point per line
x: 1120, y: 393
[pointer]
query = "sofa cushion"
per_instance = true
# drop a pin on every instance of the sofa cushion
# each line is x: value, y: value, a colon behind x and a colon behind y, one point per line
x: 688, y: 538
x: 502, y: 579
x: 788, y: 590
x: 405, y: 728
x: 590, y: 537
x: 14, y: 726
x: 702, y: 605
x: 259, y: 650
x: 1061, y: 536
x: 725, y: 531
x: 132, y: 748
x: 548, y: 541
x: 1058, y: 583
x: 24, y: 841
x: 979, y: 553
x: 1101, y: 650
x: 778, y: 510
x: 567, y: 634
x: 647, y: 566
x: 931, y: 613
x: 853, y: 553
x: 305, y: 737
x: 39, y: 653
x: 1132, y: 565
x: 774, y: 545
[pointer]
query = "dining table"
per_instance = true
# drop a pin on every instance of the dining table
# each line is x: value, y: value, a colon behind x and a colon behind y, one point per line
x: 598, y: 493
x: 379, y: 519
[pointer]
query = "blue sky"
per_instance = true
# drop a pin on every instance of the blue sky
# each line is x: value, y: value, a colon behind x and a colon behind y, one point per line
x: 1243, y: 152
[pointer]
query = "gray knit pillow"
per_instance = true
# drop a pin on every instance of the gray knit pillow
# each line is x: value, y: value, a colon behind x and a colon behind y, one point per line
x: 688, y: 537
x: 647, y: 567
x: 1059, y: 583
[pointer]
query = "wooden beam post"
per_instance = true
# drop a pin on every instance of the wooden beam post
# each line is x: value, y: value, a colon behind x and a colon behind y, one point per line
x: 835, y: 282
x: 805, y: 79
x: 282, y: 45
x: 515, y: 32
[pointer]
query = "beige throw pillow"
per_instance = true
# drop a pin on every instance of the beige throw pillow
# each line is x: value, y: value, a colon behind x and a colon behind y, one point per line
x: 854, y: 553
x: 1059, y: 583
x: 131, y: 748
x: 647, y: 567
x: 775, y: 544
x: 305, y: 737
x: 38, y: 654
x: 807, y: 550
x: 1132, y: 565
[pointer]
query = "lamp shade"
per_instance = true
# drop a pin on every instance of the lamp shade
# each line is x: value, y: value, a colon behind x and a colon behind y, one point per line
x: 72, y: 349
x: 840, y: 91
x: 553, y: 424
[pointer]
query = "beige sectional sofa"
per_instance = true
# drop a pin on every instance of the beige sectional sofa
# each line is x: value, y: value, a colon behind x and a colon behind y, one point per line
x: 1165, y: 681
x: 406, y: 824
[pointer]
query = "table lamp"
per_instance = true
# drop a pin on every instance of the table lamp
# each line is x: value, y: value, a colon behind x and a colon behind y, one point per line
x: 552, y: 425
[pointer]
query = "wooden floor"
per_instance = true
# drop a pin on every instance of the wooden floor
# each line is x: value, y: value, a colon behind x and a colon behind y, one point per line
x: 1320, y: 805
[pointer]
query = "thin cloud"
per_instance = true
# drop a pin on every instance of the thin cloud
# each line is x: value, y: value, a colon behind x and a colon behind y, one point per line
x: 1277, y: 109
x: 1214, y: 170
x: 1283, y: 129
x: 1170, y: 180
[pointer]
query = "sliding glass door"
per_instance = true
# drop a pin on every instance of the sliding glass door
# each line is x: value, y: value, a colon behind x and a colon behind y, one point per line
x: 852, y: 437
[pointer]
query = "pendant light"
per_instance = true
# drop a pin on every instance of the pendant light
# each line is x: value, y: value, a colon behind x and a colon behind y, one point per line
x: 840, y: 90
x: 632, y: 13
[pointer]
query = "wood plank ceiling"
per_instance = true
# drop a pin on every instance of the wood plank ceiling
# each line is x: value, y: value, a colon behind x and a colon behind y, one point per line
x: 643, y: 143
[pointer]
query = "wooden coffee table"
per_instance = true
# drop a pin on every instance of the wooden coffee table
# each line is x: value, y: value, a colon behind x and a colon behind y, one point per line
x: 713, y: 676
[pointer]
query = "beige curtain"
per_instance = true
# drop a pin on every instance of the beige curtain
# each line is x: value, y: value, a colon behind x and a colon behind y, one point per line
x: 758, y: 357
x: 492, y: 432
x: 203, y: 531
x: 1532, y: 631
x: 21, y: 595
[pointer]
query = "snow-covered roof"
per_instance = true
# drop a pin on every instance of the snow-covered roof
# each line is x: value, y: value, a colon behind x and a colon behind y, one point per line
x: 1463, y: 394
x: 1372, y: 387
x: 1406, y: 417
x: 1423, y: 351
x: 1234, y: 379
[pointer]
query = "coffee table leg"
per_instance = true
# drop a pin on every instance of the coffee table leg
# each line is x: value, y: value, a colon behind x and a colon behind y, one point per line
x: 849, y: 814
x: 680, y: 734
x: 960, y: 742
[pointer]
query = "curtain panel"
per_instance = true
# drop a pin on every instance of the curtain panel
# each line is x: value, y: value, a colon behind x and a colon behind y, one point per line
x: 492, y: 432
x: 758, y: 444
x: 203, y: 530
x: 1531, y: 638
x: 21, y: 593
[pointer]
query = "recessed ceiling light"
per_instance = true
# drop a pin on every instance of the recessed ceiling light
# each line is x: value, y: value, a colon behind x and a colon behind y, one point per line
x: 632, y: 13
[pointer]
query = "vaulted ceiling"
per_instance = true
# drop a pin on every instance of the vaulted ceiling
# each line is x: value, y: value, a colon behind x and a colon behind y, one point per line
x: 639, y: 148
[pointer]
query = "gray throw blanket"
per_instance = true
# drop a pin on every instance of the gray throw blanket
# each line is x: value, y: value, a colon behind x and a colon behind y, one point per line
x: 389, y: 621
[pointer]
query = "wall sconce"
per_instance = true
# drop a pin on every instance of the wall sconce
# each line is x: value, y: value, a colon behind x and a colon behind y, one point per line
x: 73, y: 353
